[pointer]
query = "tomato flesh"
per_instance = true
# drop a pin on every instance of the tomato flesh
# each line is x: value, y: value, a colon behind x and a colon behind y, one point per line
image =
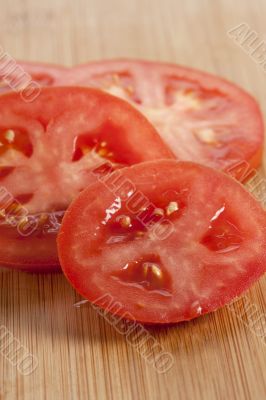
x: 201, y: 117
x: 168, y: 241
x: 48, y: 150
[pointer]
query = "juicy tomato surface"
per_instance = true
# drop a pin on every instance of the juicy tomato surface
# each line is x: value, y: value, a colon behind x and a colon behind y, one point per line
x: 203, y: 118
x: 163, y: 242
x: 49, y: 151
x: 18, y: 75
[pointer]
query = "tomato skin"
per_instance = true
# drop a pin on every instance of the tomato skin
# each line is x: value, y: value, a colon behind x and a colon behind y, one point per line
x: 47, y: 178
x: 210, y: 278
x: 44, y: 258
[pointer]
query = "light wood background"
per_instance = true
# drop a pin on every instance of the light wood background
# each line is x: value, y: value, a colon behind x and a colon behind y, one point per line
x: 80, y: 356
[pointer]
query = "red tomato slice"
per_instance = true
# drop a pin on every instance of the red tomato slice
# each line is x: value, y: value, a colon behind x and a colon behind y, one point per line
x: 47, y: 151
x: 201, y: 117
x: 163, y: 242
x: 13, y: 75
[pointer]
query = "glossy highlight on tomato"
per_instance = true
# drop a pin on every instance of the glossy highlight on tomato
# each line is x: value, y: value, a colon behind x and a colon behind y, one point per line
x: 167, y: 240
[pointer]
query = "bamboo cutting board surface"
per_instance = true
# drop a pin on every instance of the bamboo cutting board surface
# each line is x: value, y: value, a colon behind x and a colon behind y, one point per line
x: 80, y: 356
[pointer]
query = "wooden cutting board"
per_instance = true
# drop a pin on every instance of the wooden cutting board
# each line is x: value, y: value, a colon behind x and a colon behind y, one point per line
x: 80, y: 356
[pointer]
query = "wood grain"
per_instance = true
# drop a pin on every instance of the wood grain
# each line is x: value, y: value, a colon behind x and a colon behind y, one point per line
x: 80, y: 356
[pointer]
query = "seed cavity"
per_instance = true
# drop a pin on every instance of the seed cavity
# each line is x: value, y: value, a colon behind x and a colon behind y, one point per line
x: 102, y: 150
x: 15, y: 139
x: 124, y: 221
x: 153, y: 269
x: 148, y: 273
x: 223, y: 234
x: 88, y: 143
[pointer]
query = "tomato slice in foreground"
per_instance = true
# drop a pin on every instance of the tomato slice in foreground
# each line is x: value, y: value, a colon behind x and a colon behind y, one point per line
x: 202, y: 117
x: 48, y: 149
x: 163, y: 242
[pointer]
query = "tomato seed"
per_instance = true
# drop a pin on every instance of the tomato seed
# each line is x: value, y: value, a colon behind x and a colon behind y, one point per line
x: 147, y: 272
x: 172, y: 207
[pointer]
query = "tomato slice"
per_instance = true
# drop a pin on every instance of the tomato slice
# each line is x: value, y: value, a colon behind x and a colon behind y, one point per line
x: 163, y: 242
x: 47, y: 151
x: 201, y: 117
x: 13, y: 75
